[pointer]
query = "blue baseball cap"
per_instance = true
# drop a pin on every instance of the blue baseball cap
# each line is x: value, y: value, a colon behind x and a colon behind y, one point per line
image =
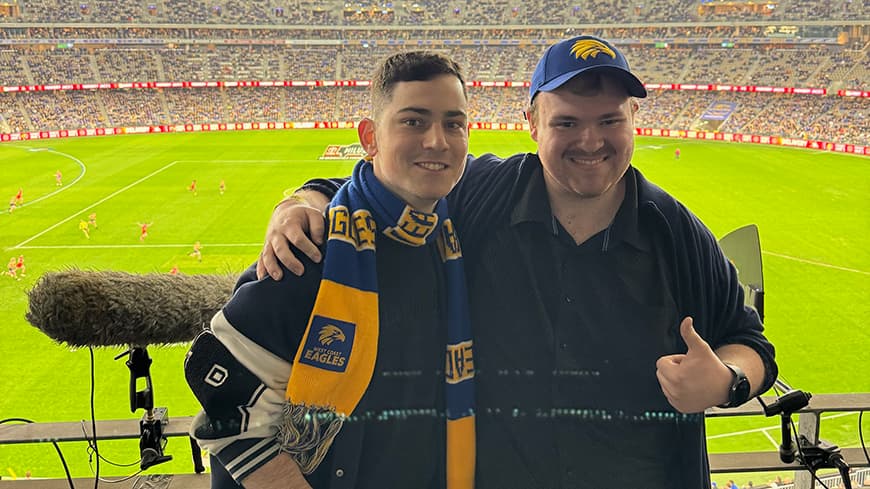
x: 566, y: 59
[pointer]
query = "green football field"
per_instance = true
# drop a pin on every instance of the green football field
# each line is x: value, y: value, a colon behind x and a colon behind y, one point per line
x: 812, y: 209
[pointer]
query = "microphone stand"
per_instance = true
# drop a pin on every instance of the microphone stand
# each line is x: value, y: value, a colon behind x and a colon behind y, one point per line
x: 151, y: 439
x: 813, y: 455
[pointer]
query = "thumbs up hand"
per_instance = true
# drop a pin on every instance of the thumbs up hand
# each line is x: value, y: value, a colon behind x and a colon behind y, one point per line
x: 695, y: 380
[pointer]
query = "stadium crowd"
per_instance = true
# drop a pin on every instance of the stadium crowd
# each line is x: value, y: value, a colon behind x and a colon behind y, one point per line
x: 827, y: 118
x: 422, y: 12
x: 152, y: 35
x: 49, y: 42
x: 832, y: 67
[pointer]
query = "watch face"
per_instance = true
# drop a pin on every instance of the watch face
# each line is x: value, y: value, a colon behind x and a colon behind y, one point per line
x: 741, y: 392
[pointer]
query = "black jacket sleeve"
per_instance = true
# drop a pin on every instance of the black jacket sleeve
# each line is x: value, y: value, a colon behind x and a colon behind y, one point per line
x: 327, y: 186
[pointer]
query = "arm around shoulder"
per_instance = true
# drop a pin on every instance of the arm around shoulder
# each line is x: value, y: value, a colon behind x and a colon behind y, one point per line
x: 296, y: 220
x: 312, y: 197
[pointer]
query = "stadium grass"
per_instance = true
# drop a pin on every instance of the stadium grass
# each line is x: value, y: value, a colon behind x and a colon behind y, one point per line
x: 811, y: 209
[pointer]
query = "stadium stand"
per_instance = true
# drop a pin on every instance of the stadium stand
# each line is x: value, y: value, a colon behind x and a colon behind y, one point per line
x: 826, y: 66
x: 835, y: 119
x: 50, y: 42
x: 429, y: 12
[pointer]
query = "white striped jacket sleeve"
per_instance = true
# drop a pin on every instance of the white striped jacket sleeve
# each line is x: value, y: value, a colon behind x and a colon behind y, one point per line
x: 241, y: 386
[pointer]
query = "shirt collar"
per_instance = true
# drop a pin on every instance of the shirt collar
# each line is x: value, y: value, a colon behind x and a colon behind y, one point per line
x: 534, y: 206
x: 626, y: 224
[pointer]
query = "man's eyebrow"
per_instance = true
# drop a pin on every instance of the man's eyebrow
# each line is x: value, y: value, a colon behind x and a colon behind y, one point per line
x: 418, y: 110
x: 568, y: 117
x: 427, y: 112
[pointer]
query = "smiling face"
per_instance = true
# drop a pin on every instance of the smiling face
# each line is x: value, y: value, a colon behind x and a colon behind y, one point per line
x: 585, y: 135
x: 419, y: 139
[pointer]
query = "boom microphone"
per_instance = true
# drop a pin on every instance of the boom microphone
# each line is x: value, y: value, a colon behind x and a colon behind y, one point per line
x: 83, y: 308
x: 785, y: 405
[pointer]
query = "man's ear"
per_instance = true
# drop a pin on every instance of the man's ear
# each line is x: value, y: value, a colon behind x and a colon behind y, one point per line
x: 533, y: 128
x: 366, y: 132
x: 633, y: 107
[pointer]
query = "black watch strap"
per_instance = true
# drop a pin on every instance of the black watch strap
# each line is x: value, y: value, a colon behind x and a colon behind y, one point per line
x: 739, y: 391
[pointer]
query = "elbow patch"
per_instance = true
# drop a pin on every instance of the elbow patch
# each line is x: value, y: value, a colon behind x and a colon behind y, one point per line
x: 226, y: 388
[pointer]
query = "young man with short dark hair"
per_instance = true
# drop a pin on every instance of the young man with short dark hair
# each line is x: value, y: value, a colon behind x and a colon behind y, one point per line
x: 337, y: 378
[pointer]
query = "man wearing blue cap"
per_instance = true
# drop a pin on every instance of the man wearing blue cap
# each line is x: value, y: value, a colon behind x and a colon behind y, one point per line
x: 606, y: 317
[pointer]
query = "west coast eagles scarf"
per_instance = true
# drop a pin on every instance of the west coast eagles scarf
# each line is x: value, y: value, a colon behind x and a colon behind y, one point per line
x: 335, y: 361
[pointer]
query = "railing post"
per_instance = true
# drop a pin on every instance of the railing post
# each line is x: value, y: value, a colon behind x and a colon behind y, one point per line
x: 808, y: 426
x: 197, y: 456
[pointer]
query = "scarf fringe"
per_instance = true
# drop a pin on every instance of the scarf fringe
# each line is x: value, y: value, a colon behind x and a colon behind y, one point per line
x: 307, y: 432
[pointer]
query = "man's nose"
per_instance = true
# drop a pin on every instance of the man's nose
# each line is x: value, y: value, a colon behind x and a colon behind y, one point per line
x: 589, y: 139
x: 436, y: 138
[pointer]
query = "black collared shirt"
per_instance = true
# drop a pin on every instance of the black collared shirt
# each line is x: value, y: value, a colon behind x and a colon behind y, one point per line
x: 566, y: 361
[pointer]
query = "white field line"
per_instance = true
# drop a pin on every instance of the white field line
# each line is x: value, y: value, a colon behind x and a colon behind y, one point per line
x: 816, y: 263
x: 79, y: 212
x: 777, y: 427
x: 770, y: 439
x: 23, y: 244
x: 65, y: 186
x: 137, y: 246
x: 248, y: 161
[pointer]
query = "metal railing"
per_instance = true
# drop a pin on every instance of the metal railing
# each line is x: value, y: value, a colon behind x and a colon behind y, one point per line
x: 808, y: 425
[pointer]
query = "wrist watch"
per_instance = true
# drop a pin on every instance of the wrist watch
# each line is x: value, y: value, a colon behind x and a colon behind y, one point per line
x: 738, y: 393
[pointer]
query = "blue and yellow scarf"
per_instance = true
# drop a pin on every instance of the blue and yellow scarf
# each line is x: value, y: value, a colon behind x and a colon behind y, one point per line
x: 335, y: 361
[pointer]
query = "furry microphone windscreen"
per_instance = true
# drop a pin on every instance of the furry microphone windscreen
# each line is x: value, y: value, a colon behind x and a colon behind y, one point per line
x: 87, y: 308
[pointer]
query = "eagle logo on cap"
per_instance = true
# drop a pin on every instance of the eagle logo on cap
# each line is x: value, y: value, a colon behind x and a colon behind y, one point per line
x: 330, y: 333
x: 586, y: 48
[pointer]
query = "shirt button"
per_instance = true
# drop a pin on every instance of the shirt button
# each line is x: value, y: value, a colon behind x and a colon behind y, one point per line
x: 563, y: 346
x: 339, y: 472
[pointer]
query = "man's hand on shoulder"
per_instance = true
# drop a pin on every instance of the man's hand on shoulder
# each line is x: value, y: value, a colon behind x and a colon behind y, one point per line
x: 293, y: 221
